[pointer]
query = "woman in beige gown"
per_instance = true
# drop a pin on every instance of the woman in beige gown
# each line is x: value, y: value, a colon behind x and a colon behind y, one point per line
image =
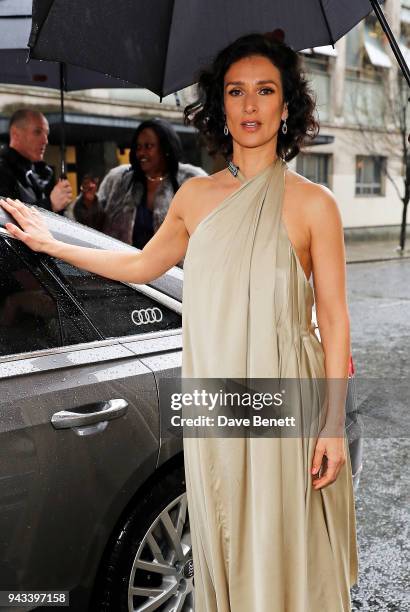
x: 269, y: 532
x: 263, y: 538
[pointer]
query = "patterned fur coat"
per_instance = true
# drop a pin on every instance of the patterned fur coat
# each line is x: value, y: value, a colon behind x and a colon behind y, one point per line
x: 120, y: 196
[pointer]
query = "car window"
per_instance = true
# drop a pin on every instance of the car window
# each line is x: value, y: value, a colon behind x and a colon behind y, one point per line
x: 29, y: 318
x: 116, y: 309
x: 35, y: 312
x: 169, y: 285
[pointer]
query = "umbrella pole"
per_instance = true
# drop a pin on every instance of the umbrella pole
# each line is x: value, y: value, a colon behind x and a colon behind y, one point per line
x: 62, y: 120
x: 393, y: 42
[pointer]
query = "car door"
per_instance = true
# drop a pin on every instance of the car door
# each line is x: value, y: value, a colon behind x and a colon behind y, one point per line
x: 147, y: 322
x: 79, y: 431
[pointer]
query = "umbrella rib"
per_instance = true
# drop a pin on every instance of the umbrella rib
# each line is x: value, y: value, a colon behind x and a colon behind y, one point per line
x: 166, y: 54
x: 35, y: 30
x: 329, y: 29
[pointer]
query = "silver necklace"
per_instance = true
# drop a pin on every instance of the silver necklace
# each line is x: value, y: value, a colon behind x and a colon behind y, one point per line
x: 156, y: 179
x: 233, y: 169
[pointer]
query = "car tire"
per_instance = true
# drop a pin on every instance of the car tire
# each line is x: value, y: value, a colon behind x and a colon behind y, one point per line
x: 151, y: 553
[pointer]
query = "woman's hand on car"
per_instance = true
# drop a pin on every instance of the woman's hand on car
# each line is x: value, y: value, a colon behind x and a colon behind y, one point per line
x: 165, y: 249
x: 31, y: 229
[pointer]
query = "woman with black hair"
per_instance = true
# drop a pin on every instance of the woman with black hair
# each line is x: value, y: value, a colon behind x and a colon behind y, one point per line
x: 136, y: 197
x: 272, y: 518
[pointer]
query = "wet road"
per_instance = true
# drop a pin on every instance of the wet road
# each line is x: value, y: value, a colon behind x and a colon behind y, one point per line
x: 379, y: 301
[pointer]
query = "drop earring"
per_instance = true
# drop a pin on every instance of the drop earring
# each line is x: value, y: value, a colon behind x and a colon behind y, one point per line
x: 284, y: 127
x: 226, y: 131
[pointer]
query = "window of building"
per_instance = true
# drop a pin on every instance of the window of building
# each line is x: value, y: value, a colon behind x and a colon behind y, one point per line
x: 370, y: 173
x: 316, y: 62
x: 315, y: 167
x: 365, y: 102
x: 354, y: 48
x: 367, y: 65
x: 317, y: 66
x: 376, y: 56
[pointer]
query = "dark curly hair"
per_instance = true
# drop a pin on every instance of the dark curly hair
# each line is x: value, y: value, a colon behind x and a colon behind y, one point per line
x: 207, y: 113
x: 170, y: 145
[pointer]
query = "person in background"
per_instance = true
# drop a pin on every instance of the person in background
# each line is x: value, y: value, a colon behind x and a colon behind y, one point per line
x: 135, y: 197
x: 86, y: 208
x: 23, y: 173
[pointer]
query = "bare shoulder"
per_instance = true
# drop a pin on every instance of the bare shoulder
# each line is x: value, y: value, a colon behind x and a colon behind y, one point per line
x: 195, y: 184
x: 199, y: 184
x: 198, y: 189
x: 315, y: 202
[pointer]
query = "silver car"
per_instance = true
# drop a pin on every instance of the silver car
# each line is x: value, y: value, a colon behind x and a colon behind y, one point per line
x: 92, y: 501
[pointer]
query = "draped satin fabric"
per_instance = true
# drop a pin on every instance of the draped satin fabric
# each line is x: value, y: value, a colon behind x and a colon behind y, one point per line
x: 263, y: 539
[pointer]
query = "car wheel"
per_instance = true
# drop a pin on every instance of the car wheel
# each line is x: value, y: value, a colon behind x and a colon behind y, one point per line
x: 150, y: 564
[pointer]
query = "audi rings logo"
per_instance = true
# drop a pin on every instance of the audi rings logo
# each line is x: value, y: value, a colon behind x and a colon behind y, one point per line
x: 145, y: 316
x: 188, y: 570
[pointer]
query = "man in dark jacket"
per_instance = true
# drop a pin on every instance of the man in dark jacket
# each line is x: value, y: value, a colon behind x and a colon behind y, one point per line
x: 23, y: 173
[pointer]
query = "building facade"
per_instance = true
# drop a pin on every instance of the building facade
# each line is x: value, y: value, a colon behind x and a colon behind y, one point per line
x: 360, y: 97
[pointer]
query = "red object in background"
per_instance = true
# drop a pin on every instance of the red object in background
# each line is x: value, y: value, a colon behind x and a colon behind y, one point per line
x: 351, y: 366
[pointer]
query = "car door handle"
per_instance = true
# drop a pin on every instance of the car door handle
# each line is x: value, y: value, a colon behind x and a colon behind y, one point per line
x: 89, y: 414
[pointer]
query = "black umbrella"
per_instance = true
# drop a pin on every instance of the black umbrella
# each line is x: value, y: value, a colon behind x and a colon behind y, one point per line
x: 15, y: 27
x: 160, y: 44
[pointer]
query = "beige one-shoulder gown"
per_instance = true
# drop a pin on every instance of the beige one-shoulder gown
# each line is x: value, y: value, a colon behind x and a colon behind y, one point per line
x: 263, y: 539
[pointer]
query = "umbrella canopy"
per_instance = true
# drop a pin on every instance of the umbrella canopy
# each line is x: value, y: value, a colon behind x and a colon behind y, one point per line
x: 160, y: 44
x: 15, y: 28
